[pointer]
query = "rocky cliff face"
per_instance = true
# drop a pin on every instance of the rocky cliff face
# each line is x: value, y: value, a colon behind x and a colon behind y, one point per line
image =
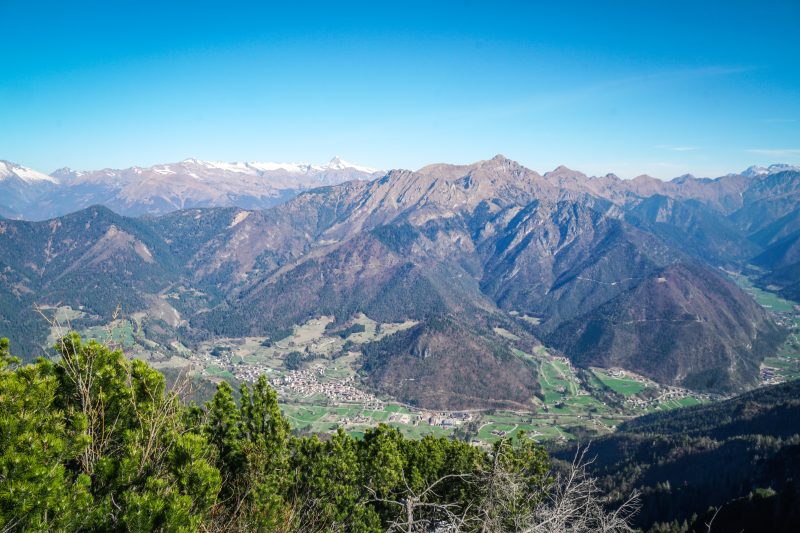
x: 613, y: 273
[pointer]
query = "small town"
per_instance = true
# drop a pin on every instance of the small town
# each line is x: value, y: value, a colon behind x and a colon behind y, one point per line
x: 299, y: 384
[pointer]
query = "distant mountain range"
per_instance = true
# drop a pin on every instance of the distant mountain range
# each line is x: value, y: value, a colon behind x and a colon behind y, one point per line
x: 31, y: 195
x: 611, y: 272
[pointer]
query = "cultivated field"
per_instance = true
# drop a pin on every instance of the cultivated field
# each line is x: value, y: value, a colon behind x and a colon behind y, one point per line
x: 315, y: 370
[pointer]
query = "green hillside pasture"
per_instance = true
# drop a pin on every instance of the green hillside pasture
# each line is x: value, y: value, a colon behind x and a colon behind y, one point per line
x: 218, y: 372
x: 557, y: 381
x: 118, y: 334
x: 624, y: 386
x: 766, y: 299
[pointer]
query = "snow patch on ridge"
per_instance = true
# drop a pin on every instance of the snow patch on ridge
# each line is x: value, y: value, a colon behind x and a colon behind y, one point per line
x: 755, y: 170
x: 10, y: 170
x: 254, y: 167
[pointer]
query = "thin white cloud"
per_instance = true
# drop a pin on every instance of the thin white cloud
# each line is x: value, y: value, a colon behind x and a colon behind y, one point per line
x: 560, y: 98
x: 677, y: 148
x: 776, y: 152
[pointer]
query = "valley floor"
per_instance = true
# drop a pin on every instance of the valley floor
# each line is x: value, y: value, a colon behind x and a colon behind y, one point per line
x: 316, y: 373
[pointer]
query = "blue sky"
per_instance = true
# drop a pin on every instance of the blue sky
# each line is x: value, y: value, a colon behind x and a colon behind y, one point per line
x: 652, y: 87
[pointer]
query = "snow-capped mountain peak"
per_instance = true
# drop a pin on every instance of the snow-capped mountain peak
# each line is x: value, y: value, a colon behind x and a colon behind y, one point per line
x: 253, y: 167
x: 269, y: 166
x: 165, y: 187
x: 755, y: 170
x: 337, y: 163
x: 28, y: 175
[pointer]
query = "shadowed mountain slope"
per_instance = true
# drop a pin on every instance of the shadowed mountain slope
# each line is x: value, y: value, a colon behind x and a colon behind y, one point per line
x: 749, y: 443
x: 612, y: 277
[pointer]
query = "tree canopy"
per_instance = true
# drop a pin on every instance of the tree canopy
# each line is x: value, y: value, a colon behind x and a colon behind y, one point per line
x: 94, y: 441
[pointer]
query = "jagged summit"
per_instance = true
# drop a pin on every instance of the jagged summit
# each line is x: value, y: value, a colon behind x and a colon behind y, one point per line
x: 64, y: 173
x: 618, y: 273
x: 195, y: 182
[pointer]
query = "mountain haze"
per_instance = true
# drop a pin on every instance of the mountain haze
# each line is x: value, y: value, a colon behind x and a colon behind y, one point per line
x: 164, y: 188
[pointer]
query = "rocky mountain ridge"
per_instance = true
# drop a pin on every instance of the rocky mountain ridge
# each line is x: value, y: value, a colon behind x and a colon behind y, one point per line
x: 613, y: 276
x: 168, y: 187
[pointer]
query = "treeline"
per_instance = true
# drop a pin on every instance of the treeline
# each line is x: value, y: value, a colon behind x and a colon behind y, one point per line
x: 95, y: 442
x: 736, y: 461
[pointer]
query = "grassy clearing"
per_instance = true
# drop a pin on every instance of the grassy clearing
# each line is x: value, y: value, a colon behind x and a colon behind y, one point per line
x: 64, y: 314
x: 379, y: 416
x: 557, y: 381
x: 61, y: 318
x: 390, y: 328
x: 370, y: 326
x: 620, y: 385
x: 764, y: 298
x: 304, y: 335
x: 493, y: 431
x: 118, y: 333
x: 687, y: 402
x: 505, y: 334
x: 218, y: 372
x: 787, y: 360
x: 676, y: 404
x: 531, y: 320
x: 303, y: 415
x: 417, y: 432
x: 522, y: 355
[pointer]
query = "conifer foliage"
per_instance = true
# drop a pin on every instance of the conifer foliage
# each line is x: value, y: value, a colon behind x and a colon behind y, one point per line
x: 94, y: 441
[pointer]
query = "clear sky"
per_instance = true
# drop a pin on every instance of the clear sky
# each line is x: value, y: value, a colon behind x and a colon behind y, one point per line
x: 658, y: 87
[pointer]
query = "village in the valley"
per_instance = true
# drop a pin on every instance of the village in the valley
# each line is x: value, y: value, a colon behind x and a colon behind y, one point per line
x: 315, y: 371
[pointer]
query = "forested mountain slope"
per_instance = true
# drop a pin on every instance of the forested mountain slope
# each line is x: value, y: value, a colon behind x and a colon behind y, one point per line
x: 612, y: 273
x: 687, y: 460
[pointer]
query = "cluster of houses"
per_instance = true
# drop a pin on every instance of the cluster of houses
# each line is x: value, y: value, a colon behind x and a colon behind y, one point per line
x: 665, y: 394
x: 770, y: 376
x: 442, y: 419
x: 251, y: 373
x: 308, y: 382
